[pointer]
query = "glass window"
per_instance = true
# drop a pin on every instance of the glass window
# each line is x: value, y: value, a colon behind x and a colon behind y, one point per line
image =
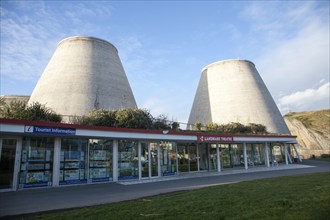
x: 213, y: 156
x: 250, y: 154
x: 168, y: 160
x: 187, y: 157
x: 237, y: 157
x: 100, y: 160
x: 154, y: 159
x: 73, y: 161
x: 127, y: 160
x: 36, y: 162
x: 144, y: 160
x: 203, y: 152
x: 207, y: 156
x: 193, y: 157
x: 259, y: 154
x: 225, y: 156
x: 7, y: 162
x: 277, y: 156
x: 183, y: 158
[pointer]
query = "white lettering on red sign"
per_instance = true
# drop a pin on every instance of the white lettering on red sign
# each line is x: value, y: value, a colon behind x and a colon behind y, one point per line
x: 215, y: 139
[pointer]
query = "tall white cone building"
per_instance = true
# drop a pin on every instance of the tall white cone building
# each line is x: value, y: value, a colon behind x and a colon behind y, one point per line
x: 85, y: 73
x: 233, y: 91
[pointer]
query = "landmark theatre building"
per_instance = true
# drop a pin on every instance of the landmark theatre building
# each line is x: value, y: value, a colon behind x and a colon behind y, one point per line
x: 46, y: 154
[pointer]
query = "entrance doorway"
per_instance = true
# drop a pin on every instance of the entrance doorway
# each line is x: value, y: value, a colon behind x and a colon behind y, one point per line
x: 207, y: 157
x: 149, y: 160
x: 187, y: 157
x: 7, y: 162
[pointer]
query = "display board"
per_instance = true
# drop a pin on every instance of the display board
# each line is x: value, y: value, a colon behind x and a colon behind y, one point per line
x: 36, y: 163
x: 100, y: 161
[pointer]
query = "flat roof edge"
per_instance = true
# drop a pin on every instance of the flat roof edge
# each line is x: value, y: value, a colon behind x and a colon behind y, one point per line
x: 134, y: 130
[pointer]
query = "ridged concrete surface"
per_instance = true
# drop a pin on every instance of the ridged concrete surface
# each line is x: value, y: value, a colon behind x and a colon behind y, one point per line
x: 85, y: 73
x: 233, y: 91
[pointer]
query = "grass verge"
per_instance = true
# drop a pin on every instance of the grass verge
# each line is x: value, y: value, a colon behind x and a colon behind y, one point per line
x: 294, y: 197
x: 324, y: 159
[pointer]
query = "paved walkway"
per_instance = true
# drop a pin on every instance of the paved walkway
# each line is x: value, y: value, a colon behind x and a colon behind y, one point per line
x: 49, y: 199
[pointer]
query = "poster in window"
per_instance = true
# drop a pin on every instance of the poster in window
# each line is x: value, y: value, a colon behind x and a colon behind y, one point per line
x: 100, y: 155
x: 34, y: 177
x: 71, y: 175
x: 37, y: 155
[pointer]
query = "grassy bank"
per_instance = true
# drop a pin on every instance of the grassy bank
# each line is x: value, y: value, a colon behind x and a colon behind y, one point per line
x: 294, y: 197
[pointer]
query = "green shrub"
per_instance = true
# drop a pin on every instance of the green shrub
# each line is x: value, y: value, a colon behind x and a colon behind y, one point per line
x: 34, y: 112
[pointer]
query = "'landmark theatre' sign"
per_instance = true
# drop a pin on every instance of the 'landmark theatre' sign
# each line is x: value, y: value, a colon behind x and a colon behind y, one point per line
x: 49, y: 130
x: 214, y: 139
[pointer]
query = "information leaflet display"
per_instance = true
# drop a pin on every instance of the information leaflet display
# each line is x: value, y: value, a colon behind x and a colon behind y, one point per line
x: 100, y: 160
x: 36, y: 162
x: 73, y: 161
x: 127, y: 160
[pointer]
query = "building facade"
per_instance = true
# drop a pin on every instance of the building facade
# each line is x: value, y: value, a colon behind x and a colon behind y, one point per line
x: 233, y: 91
x: 46, y: 154
x: 84, y: 74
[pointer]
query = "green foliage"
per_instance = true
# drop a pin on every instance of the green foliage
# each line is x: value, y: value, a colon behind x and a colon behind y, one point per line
x: 198, y: 126
x: 175, y: 126
x: 102, y: 117
x: 134, y: 118
x: 161, y: 123
x: 125, y: 118
x: 35, y: 111
x: 257, y: 128
x: 291, y: 197
x: 15, y: 109
x: 39, y: 112
x: 236, y: 128
x: 80, y: 120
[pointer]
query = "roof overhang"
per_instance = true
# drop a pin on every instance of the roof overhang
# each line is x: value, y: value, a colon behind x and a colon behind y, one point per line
x: 39, y: 128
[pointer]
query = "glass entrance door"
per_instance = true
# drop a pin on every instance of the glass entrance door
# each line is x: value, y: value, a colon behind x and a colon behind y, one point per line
x: 7, y: 162
x: 187, y: 157
x: 145, y: 160
x: 203, y: 150
x: 154, y: 159
x: 193, y: 158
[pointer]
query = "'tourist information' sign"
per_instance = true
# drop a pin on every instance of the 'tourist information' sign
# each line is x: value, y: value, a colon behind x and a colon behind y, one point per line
x: 49, y: 130
x: 214, y: 139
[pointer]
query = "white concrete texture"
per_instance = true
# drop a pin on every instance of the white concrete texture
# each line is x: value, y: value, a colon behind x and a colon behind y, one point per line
x: 84, y: 73
x: 233, y: 91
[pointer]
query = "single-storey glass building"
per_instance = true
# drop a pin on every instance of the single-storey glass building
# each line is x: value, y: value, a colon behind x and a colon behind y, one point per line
x: 47, y: 154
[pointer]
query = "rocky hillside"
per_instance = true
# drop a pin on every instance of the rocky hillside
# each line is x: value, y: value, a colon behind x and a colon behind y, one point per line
x: 312, y: 129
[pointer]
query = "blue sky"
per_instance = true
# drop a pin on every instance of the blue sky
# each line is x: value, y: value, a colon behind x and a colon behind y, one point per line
x: 164, y: 45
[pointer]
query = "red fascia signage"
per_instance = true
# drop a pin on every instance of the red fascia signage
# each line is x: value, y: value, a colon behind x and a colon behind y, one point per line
x: 214, y: 138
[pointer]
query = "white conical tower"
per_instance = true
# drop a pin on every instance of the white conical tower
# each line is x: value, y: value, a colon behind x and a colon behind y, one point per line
x: 233, y: 91
x: 85, y: 73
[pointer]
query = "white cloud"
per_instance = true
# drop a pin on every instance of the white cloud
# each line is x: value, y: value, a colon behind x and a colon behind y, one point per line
x: 309, y: 99
x: 155, y: 105
x: 165, y: 106
x: 293, y: 51
x: 299, y: 61
x: 30, y: 32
